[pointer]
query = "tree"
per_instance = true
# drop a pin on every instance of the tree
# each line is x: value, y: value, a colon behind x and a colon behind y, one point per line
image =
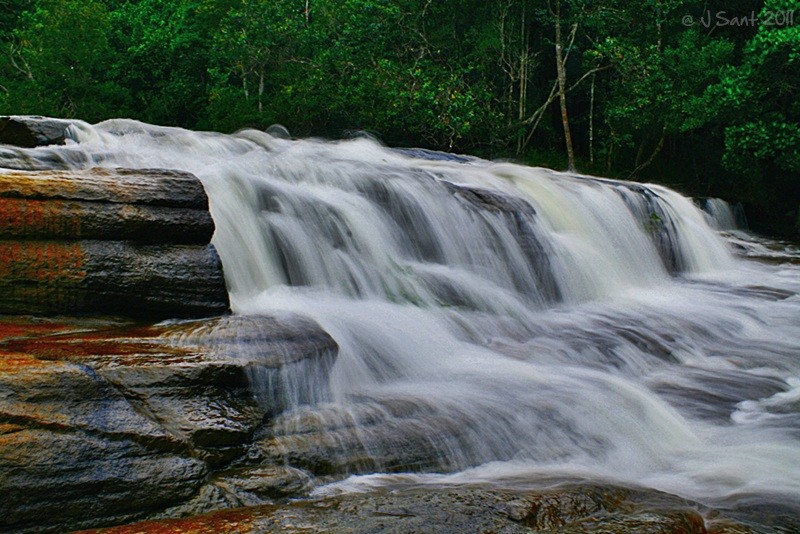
x: 162, y: 59
x: 657, y: 86
x: 561, y: 70
x: 56, y: 74
x: 758, y: 102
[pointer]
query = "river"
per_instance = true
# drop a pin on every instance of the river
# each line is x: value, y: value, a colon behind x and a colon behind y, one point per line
x: 505, y: 324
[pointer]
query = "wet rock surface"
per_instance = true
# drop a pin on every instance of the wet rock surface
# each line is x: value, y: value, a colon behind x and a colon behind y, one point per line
x: 30, y: 131
x: 569, y: 509
x: 119, y: 241
x: 520, y: 218
x: 156, y: 187
x: 106, y: 421
x: 328, y: 440
x: 114, y: 277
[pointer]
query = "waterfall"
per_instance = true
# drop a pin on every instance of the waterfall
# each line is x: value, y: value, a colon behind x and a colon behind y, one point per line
x: 724, y: 216
x: 498, y: 322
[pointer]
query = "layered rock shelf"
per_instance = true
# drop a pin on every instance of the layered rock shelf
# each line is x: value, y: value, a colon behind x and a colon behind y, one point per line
x: 103, y: 422
x: 108, y: 241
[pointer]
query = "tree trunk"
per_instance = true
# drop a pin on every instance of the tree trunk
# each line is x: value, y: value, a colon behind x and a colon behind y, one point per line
x: 523, y: 79
x: 652, y: 158
x: 562, y: 87
x: 591, y: 124
x: 260, y: 90
x: 244, y: 83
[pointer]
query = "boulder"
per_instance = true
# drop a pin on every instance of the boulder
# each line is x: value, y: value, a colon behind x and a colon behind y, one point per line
x: 57, y: 481
x: 116, y: 241
x: 103, y: 421
x: 75, y: 452
x: 30, y: 131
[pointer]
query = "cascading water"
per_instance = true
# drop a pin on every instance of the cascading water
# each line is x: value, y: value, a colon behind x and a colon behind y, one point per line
x: 723, y: 215
x: 501, y: 323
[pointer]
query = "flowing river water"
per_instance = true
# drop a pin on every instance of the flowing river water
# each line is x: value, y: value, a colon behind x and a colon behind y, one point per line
x: 508, y: 324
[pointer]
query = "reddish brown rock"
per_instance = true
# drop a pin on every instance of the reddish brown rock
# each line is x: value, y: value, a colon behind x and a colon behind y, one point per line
x: 69, y: 219
x: 108, y: 241
x: 103, y: 421
x: 111, y: 277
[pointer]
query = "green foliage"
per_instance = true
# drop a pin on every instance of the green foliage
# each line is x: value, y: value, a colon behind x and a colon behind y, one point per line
x: 661, y: 88
x: 162, y: 60
x: 714, y: 110
x: 58, y: 56
x: 758, y: 102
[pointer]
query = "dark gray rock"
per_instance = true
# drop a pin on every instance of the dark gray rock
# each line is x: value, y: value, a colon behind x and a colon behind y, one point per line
x: 31, y: 131
x: 155, y: 187
x: 57, y: 480
x: 252, y: 486
x: 75, y: 451
x: 522, y: 221
x: 68, y: 219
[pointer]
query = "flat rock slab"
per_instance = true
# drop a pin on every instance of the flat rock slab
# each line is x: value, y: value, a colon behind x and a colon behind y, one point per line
x: 157, y: 187
x: 458, y: 510
x: 111, y: 277
x: 30, y: 131
x: 76, y: 219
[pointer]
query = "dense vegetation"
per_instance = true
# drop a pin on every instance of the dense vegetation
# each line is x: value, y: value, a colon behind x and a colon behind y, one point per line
x: 702, y: 96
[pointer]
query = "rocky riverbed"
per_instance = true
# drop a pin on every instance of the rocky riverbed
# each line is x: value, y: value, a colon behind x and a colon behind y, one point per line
x: 132, y: 400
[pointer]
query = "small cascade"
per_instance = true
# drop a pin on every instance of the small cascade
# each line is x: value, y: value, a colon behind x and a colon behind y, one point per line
x: 723, y: 215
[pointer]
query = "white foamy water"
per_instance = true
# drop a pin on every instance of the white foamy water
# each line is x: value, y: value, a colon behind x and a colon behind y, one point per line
x: 502, y: 323
x: 723, y: 215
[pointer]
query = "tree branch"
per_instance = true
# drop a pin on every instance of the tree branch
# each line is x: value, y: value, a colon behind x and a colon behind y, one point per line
x: 652, y: 157
x: 552, y: 96
x: 16, y: 51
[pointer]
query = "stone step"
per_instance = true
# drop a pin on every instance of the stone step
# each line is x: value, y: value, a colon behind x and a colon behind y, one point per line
x: 158, y: 187
x: 131, y: 242
x: 70, y: 219
x: 110, y: 277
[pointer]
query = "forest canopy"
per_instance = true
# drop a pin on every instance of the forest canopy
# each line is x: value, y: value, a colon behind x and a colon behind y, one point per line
x: 703, y: 97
